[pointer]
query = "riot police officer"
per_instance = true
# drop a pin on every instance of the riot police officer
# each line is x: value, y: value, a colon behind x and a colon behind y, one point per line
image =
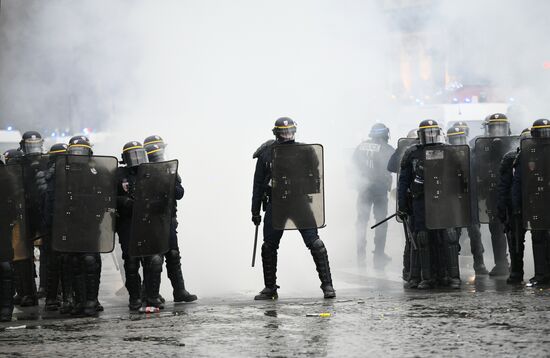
x: 31, y: 145
x: 155, y: 147
x: 133, y: 154
x: 497, y: 125
x: 458, y: 135
x: 7, y: 282
x: 539, y: 237
x: 46, y: 185
x: 284, y: 131
x: 428, y: 242
x: 371, y: 159
x: 515, y: 232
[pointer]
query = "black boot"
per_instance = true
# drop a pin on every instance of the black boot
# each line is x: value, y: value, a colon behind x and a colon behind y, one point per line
x: 27, y: 284
x: 269, y: 263
x: 152, y: 269
x: 92, y: 276
x: 133, y: 283
x: 414, y: 271
x: 79, y: 285
x: 453, y: 268
x: 498, y: 241
x: 52, y: 282
x: 407, y: 261
x: 173, y: 266
x: 67, y: 292
x: 7, y: 290
x: 320, y: 257
x: 539, y: 258
x: 424, y: 256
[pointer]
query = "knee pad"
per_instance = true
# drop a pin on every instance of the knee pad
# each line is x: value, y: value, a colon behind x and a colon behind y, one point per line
x: 131, y: 265
x: 90, y: 263
x: 172, y: 256
x: 267, y: 247
x: 318, y: 245
x: 155, y: 263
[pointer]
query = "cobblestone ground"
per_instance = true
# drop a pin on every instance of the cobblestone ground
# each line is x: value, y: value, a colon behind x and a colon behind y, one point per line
x: 372, y: 316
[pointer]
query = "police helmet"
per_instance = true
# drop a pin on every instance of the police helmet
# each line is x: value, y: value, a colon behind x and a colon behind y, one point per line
x: 284, y: 129
x: 79, y: 146
x: 133, y: 154
x: 58, y: 148
x: 13, y: 155
x: 155, y: 152
x: 31, y: 143
x: 457, y: 136
x: 496, y: 125
x: 541, y: 128
x: 379, y: 131
x: 429, y: 132
x: 154, y: 139
x: 463, y: 126
x: 525, y: 133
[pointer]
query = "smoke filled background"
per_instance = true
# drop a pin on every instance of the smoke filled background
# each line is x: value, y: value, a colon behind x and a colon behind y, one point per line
x: 211, y: 77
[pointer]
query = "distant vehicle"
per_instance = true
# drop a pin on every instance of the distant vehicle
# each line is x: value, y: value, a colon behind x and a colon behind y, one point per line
x: 9, y: 140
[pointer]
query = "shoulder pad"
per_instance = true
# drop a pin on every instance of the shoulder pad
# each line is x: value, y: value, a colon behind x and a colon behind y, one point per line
x: 262, y: 147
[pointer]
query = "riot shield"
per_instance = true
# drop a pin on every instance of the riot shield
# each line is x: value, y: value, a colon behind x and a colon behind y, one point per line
x: 153, y: 208
x: 85, y: 204
x: 298, y: 197
x: 13, y: 246
x: 32, y: 164
x: 446, y: 186
x: 535, y: 172
x: 488, y: 153
x: 402, y: 145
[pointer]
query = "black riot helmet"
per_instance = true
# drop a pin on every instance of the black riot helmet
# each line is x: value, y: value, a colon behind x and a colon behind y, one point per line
x: 154, y: 146
x: 13, y: 155
x: 380, y: 132
x: 155, y: 152
x: 429, y: 132
x: 31, y: 143
x: 79, y: 146
x: 83, y: 137
x: 496, y: 125
x: 541, y: 128
x: 413, y: 133
x: 133, y: 154
x: 463, y: 126
x: 284, y: 129
x: 457, y: 136
x: 525, y: 133
x: 57, y: 149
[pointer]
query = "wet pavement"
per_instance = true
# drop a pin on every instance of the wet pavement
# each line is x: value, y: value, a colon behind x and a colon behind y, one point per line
x: 372, y: 316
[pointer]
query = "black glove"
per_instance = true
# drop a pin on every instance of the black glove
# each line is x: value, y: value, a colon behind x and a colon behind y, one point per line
x: 402, y: 215
x: 256, y: 219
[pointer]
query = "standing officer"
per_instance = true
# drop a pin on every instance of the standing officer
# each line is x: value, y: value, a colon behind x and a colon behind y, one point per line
x: 371, y: 159
x: 284, y: 131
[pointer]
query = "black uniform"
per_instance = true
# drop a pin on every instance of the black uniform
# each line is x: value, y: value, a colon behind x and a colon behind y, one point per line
x: 272, y: 237
x: 371, y: 159
x: 512, y: 222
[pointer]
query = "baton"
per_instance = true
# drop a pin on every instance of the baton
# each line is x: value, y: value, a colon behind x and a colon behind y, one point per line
x: 409, y: 233
x: 383, y: 221
x: 255, y: 244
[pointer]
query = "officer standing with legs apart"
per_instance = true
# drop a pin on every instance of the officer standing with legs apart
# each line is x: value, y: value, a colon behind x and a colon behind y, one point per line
x: 155, y: 147
x: 292, y: 205
x: 371, y: 159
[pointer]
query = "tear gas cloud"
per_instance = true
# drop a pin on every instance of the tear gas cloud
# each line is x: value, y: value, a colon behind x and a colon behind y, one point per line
x: 211, y: 77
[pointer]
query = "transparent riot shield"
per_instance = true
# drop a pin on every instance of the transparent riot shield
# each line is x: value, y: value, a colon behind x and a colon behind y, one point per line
x: 298, y: 198
x: 13, y: 246
x: 446, y: 186
x: 535, y: 183
x: 153, y: 208
x: 488, y: 152
x: 85, y: 204
x: 402, y: 145
x: 32, y: 164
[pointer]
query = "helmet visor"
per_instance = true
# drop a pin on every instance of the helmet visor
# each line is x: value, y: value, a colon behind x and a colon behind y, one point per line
x: 541, y: 132
x: 79, y: 149
x: 32, y: 146
x: 285, y: 134
x: 135, y: 157
x: 156, y: 155
x: 430, y: 135
x: 498, y: 129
